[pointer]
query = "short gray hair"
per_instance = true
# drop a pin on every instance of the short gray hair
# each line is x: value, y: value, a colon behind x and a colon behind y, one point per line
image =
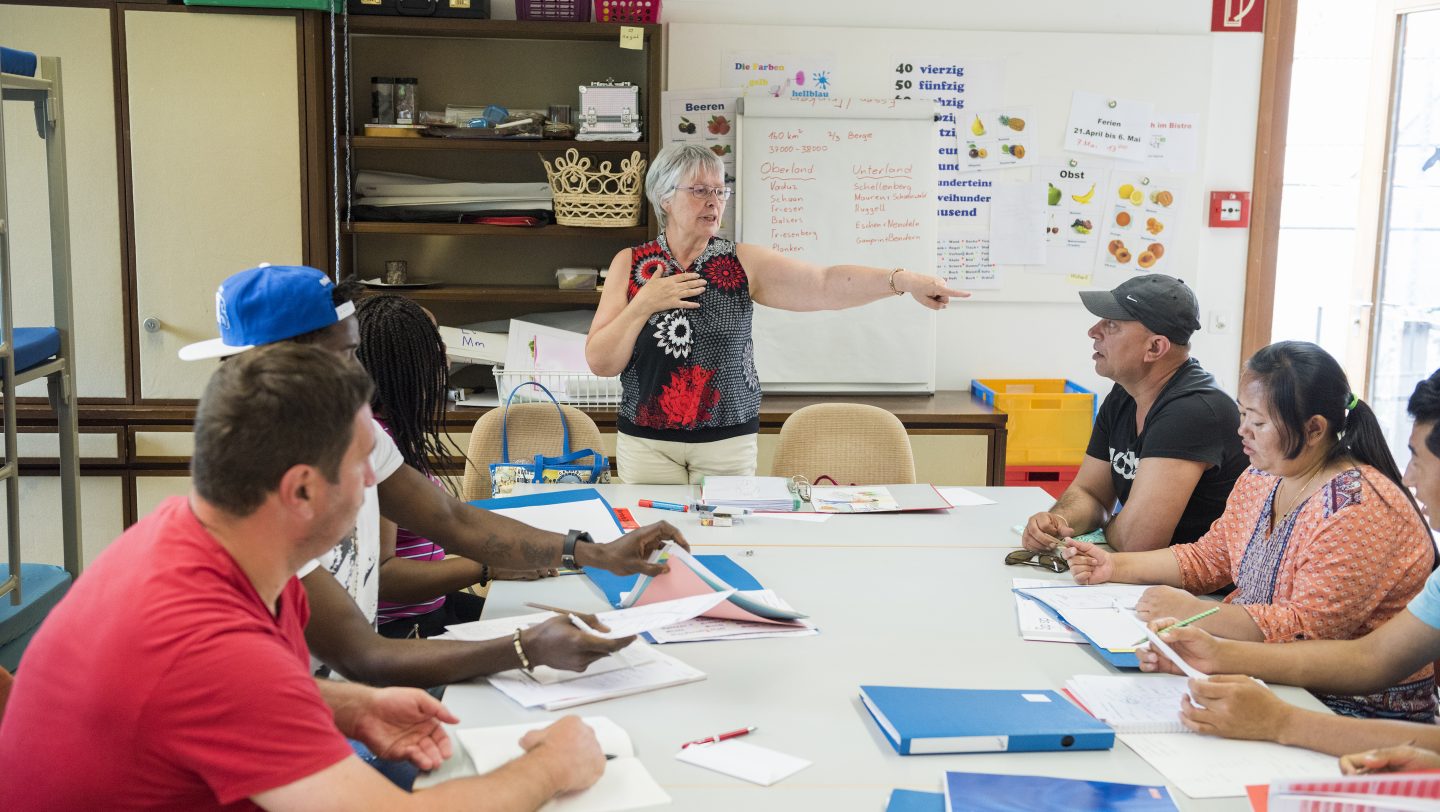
x: 671, y: 165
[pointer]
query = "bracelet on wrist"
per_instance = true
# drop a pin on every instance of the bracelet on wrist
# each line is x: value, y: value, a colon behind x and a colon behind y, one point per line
x: 894, y: 289
x: 484, y: 574
x: 520, y: 652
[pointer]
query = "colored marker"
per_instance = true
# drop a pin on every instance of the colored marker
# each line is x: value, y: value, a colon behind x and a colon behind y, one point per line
x: 651, y: 503
x: 720, y: 737
x: 1186, y: 622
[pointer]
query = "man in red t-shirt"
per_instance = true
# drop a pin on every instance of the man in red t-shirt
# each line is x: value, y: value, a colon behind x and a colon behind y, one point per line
x: 175, y: 674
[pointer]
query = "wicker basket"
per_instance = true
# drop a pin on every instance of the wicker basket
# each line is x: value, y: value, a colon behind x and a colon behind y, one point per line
x: 596, y: 198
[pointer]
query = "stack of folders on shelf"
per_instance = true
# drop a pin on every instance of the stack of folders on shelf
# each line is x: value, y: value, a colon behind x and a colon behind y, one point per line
x: 918, y: 721
x: 625, y: 784
x: 1145, y: 711
x: 1396, y: 792
x: 987, y: 792
x: 637, y: 668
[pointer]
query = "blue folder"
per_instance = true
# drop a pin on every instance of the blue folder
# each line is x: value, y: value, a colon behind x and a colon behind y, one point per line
x: 985, y: 792
x: 722, y: 565
x: 909, y: 800
x: 958, y: 720
x: 1119, y: 659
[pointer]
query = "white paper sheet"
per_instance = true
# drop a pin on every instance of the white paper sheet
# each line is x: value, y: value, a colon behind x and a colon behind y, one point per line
x: 963, y: 497
x: 1108, y: 126
x: 626, y: 783
x: 713, y: 628
x: 1037, y: 624
x: 1017, y: 223
x: 589, y: 515
x: 1210, y: 767
x: 1105, y: 614
x: 1149, y: 703
x: 660, y: 671
x: 758, y: 765
x: 651, y: 616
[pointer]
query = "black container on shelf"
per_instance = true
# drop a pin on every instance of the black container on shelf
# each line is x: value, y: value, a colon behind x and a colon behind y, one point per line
x: 472, y: 9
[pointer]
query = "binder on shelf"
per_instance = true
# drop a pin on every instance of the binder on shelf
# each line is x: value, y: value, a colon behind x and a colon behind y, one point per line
x: 920, y: 721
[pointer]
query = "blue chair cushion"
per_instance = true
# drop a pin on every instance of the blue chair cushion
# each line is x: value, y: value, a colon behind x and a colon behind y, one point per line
x: 43, y: 585
x: 34, y: 346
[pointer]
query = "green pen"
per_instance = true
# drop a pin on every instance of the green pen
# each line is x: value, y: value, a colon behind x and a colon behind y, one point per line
x: 1186, y: 622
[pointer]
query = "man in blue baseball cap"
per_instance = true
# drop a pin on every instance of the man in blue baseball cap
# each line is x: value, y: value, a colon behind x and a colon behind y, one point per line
x: 1164, y: 444
x: 272, y: 303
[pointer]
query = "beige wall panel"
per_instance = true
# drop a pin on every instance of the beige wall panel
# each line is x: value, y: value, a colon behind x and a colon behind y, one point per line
x: 164, y: 444
x: 102, y: 517
x: 92, y: 446
x: 81, y: 38
x: 950, y: 459
x: 152, y: 490
x: 215, y: 145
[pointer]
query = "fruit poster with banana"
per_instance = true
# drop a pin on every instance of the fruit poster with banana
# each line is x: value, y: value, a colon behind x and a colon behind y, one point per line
x: 1140, y: 222
x: 996, y: 139
x: 1075, y: 196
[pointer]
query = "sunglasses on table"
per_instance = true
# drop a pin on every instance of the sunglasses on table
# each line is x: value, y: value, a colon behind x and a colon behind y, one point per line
x: 1030, y: 558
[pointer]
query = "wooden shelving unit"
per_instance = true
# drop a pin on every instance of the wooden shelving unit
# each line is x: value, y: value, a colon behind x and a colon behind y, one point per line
x: 513, y: 63
x: 547, y: 145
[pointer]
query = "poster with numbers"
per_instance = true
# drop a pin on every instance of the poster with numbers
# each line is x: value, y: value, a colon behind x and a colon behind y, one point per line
x: 958, y: 86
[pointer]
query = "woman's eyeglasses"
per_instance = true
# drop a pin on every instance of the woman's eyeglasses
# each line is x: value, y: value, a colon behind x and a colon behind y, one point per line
x: 702, y: 192
x: 1031, y: 558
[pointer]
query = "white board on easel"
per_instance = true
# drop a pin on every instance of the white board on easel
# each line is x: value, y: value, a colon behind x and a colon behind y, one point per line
x: 842, y: 181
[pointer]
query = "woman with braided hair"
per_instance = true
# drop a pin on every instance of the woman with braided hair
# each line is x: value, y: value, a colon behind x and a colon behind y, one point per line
x: 402, y: 350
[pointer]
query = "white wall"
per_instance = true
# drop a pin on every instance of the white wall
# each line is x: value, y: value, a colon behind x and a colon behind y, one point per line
x: 1048, y: 340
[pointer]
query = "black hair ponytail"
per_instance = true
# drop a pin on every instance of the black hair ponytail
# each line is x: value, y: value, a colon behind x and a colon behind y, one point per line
x: 1301, y: 381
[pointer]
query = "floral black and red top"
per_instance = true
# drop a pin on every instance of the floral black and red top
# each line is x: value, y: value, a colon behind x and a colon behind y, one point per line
x: 691, y: 378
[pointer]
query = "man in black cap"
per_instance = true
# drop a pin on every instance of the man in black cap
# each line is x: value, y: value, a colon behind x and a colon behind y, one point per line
x: 1165, y: 443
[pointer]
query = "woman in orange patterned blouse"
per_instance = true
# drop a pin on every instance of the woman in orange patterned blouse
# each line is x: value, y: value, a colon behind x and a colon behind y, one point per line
x: 1319, y: 538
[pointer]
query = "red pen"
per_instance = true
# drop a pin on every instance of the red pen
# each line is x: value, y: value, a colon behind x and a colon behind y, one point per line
x: 720, y: 737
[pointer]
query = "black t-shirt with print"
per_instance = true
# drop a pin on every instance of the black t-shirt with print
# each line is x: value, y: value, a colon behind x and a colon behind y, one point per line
x: 1191, y: 420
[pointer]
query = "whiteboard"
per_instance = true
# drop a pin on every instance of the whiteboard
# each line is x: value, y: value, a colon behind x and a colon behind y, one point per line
x: 1041, y: 70
x: 841, y: 181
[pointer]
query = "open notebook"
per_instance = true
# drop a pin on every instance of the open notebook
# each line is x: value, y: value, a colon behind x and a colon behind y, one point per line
x: 1129, y: 704
x: 785, y: 495
x: 626, y: 783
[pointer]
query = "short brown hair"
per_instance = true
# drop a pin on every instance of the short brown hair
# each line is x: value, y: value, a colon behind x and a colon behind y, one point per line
x: 268, y: 410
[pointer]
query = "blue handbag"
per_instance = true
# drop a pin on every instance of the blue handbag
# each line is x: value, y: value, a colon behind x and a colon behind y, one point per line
x: 568, y: 467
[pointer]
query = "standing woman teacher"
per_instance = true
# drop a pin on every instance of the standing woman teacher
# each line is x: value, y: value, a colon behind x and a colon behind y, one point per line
x: 678, y: 331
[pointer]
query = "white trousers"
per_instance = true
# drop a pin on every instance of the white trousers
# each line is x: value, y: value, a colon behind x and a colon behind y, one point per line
x: 663, y: 462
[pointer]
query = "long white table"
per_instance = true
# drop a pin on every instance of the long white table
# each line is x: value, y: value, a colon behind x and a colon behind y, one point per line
x: 987, y: 526
x: 890, y: 612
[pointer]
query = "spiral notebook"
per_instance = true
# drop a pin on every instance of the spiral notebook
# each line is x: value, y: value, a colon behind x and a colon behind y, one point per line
x: 1132, y: 704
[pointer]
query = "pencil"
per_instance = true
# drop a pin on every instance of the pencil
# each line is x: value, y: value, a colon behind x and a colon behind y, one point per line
x: 1186, y: 622
x: 557, y: 610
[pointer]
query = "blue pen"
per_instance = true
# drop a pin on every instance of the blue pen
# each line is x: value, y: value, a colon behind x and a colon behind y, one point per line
x: 650, y: 503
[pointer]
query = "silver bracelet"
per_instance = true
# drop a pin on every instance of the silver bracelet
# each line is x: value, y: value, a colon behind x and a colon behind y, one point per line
x: 894, y: 289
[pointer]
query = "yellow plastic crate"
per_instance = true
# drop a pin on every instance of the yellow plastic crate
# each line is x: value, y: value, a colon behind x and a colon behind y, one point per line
x: 1050, y: 418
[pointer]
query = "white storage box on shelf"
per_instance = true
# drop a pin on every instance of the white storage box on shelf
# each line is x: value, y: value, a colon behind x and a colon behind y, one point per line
x: 584, y: 390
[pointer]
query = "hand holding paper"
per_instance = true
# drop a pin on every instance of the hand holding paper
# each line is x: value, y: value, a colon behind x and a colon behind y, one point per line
x: 638, y: 619
x: 1197, y: 647
x: 1179, y: 662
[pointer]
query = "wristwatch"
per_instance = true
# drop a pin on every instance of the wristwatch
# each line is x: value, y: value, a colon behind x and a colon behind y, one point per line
x: 567, y: 557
